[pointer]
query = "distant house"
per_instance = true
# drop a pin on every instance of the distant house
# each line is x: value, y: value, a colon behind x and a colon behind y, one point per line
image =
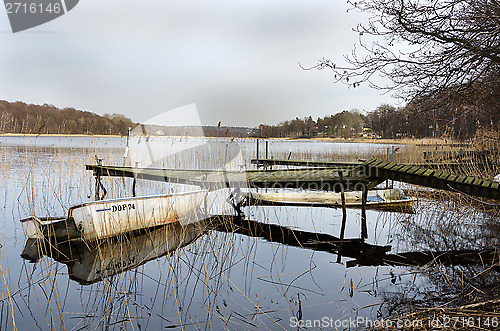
x: 368, y: 133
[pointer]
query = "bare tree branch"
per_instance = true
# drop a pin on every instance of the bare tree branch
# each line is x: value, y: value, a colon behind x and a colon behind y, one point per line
x: 422, y: 46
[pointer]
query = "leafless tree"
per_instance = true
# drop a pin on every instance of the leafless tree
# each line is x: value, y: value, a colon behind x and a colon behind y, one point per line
x: 424, y: 47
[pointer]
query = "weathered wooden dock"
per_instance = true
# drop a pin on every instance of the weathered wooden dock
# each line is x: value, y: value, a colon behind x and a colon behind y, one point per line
x: 338, y: 176
x: 346, y: 165
x: 431, y: 178
x: 305, y: 163
x: 307, y: 179
x: 346, y: 175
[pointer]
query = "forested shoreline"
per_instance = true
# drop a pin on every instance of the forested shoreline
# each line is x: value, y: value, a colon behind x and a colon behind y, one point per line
x: 22, y: 118
x: 427, y: 119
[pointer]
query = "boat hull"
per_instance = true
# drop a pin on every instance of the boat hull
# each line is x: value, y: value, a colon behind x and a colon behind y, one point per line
x: 102, y: 219
x: 376, y: 199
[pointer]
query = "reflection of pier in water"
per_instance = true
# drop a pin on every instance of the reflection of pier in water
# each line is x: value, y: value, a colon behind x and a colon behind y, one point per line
x: 110, y: 257
x: 364, y: 254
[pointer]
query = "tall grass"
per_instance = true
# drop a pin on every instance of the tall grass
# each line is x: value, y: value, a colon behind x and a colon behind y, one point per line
x: 194, y: 286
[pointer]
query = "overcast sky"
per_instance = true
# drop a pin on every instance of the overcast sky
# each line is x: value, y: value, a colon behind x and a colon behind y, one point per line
x: 238, y: 61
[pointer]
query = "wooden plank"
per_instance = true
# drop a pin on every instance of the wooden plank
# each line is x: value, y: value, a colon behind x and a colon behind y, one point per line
x: 428, y: 173
x: 420, y: 172
x: 469, y: 180
x: 460, y: 178
x: 302, y: 163
x: 380, y: 164
x: 487, y: 183
x: 372, y: 162
x: 478, y: 181
x: 495, y: 186
x: 444, y: 175
x: 391, y: 166
x: 405, y: 168
x: 399, y: 167
x: 412, y: 170
x: 437, y: 173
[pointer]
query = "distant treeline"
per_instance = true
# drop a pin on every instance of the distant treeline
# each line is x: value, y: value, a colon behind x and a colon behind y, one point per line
x: 19, y: 117
x: 432, y: 117
x: 410, y: 121
x: 346, y: 124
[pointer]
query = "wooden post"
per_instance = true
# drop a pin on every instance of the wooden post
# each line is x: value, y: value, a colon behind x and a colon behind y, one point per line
x: 257, y: 156
x: 134, y: 183
x: 97, y: 193
x: 344, y: 209
x: 387, y: 180
x: 364, y: 196
x: 344, y: 217
x: 267, y: 146
x: 98, y: 181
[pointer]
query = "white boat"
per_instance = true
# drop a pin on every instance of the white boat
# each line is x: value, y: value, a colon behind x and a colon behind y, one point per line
x: 376, y: 199
x: 106, y: 218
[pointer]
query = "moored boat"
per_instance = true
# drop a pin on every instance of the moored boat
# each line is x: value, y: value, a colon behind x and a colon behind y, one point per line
x: 106, y: 218
x: 376, y: 199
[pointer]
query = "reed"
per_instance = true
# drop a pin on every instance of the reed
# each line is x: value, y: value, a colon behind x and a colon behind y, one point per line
x: 464, y: 295
x: 209, y: 275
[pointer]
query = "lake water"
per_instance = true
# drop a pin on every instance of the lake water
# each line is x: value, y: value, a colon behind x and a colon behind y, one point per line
x: 237, y: 274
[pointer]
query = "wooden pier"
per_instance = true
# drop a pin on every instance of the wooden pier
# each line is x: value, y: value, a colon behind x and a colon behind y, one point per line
x: 307, y: 179
x: 303, y: 163
x: 431, y: 178
x: 331, y: 176
x: 344, y: 175
x: 346, y: 165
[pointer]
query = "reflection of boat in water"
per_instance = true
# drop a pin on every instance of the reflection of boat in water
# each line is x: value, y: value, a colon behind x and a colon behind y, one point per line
x: 388, y: 199
x: 87, y: 264
x: 106, y: 218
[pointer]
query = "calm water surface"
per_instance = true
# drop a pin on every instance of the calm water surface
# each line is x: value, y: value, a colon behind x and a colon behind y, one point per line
x: 211, y: 275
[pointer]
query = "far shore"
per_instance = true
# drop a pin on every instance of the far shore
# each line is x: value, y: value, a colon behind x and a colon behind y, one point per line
x: 58, y: 135
x: 404, y: 141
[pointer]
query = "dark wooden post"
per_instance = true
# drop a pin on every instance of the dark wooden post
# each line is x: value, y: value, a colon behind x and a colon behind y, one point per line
x: 257, y: 152
x: 344, y: 216
x: 364, y: 196
x: 98, y: 180
x: 344, y: 209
